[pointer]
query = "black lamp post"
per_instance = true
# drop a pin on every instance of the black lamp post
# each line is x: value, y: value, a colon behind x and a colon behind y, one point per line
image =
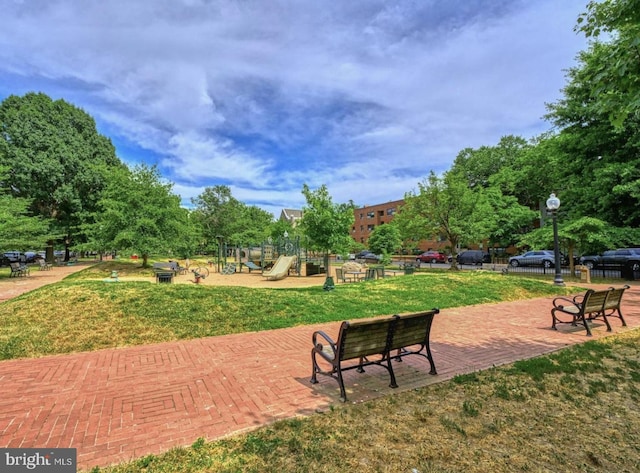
x: 553, y: 204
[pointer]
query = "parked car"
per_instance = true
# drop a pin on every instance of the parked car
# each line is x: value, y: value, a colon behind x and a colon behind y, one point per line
x: 13, y: 256
x: 31, y: 256
x: 368, y: 256
x: 545, y: 258
x: 476, y: 257
x: 621, y: 257
x: 432, y: 257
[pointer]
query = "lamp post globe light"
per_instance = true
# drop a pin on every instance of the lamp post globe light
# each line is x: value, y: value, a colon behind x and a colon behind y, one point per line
x: 553, y: 204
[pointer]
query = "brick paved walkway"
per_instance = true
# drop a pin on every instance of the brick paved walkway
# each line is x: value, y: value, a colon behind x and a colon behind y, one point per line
x: 116, y: 405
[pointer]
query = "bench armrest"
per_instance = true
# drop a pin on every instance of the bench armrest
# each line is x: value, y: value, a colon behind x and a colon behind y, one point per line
x: 560, y: 302
x: 318, y: 345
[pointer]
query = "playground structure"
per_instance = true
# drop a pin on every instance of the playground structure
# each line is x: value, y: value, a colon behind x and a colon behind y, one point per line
x: 268, y: 255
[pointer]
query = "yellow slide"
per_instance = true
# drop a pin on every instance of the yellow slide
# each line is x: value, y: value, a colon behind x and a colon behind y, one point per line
x: 281, y: 268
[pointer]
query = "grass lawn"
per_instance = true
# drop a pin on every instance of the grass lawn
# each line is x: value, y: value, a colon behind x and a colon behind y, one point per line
x: 83, y: 313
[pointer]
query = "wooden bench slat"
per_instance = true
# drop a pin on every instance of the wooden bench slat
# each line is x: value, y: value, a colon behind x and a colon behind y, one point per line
x: 365, y: 339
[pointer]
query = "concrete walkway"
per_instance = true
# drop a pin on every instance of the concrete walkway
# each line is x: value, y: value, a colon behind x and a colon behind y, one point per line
x: 117, y: 405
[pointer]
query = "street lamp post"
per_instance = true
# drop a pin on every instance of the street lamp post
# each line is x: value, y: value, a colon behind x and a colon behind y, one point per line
x: 553, y: 204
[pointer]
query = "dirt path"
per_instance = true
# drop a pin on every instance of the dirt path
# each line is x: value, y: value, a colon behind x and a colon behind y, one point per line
x: 16, y: 286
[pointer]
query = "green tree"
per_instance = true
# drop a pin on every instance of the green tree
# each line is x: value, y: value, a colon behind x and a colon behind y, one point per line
x: 252, y: 226
x: 57, y: 159
x: 446, y: 206
x: 18, y: 229
x: 478, y: 166
x: 385, y: 239
x: 139, y: 213
x: 222, y: 216
x: 504, y: 175
x: 509, y: 221
x: 599, y: 163
x: 277, y: 229
x: 324, y: 224
x: 598, y: 118
x: 615, y: 78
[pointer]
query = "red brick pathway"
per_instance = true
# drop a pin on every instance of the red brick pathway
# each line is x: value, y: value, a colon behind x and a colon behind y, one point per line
x: 116, y: 405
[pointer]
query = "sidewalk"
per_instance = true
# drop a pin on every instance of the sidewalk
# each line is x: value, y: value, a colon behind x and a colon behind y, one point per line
x: 16, y: 286
x: 117, y: 405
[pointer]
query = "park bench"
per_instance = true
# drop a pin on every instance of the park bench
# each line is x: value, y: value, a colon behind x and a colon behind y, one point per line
x: 611, y: 306
x: 372, y: 342
x: 18, y: 269
x: 165, y: 272
x: 588, y: 307
x: 43, y: 265
x: 172, y: 266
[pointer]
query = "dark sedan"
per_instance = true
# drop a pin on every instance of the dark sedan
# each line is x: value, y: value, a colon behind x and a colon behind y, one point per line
x: 368, y: 256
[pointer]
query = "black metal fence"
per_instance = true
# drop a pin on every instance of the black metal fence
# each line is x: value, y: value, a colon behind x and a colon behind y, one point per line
x: 621, y: 271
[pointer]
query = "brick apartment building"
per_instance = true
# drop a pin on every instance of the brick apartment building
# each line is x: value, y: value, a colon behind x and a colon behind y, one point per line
x: 370, y: 216
x: 366, y: 219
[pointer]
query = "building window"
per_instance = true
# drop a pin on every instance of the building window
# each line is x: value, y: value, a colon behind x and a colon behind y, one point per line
x: 371, y: 214
x: 370, y: 227
x: 391, y: 211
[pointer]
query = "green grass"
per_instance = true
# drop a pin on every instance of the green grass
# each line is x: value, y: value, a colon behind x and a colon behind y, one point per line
x: 83, y: 313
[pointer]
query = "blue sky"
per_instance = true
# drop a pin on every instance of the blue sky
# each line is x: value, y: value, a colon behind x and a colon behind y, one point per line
x: 366, y: 97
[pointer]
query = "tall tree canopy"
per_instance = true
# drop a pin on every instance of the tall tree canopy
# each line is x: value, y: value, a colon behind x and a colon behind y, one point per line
x: 385, y: 239
x: 222, y: 215
x: 56, y: 157
x: 598, y: 119
x: 326, y: 225
x: 510, y: 181
x: 18, y: 229
x: 446, y: 206
x: 139, y: 213
x: 615, y: 77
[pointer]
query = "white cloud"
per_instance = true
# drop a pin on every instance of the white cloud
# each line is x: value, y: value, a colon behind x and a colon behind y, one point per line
x: 363, y: 96
x: 193, y: 157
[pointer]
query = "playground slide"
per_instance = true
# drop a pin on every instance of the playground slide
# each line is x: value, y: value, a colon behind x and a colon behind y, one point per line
x: 280, y: 268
